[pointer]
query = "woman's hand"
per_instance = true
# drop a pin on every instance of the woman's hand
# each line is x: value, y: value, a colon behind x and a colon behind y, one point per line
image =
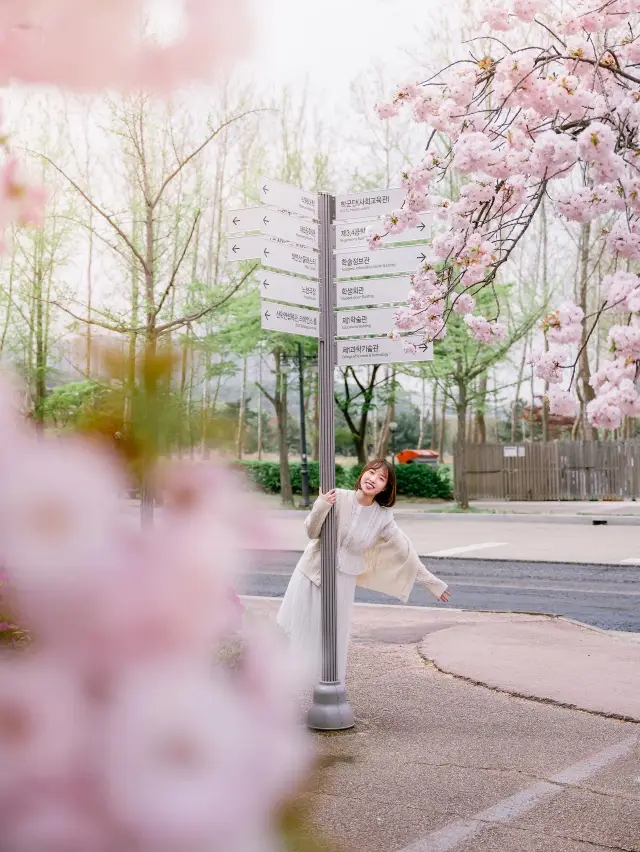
x: 444, y: 597
x: 330, y: 497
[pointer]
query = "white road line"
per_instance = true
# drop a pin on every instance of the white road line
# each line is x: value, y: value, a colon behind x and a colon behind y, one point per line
x: 515, y: 806
x: 482, y: 546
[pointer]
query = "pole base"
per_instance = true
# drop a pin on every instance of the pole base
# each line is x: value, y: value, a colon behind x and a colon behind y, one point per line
x: 330, y: 710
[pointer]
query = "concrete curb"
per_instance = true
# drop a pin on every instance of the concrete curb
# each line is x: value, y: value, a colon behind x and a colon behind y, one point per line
x: 526, y: 693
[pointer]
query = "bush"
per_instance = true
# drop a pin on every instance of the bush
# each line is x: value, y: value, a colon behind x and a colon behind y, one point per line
x: 423, y: 481
x: 414, y: 480
x: 266, y: 475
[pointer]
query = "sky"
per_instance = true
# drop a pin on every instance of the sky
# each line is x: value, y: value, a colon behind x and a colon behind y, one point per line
x: 331, y: 42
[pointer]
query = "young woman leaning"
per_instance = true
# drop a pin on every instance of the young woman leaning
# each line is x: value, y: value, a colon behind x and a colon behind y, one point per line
x: 373, y: 553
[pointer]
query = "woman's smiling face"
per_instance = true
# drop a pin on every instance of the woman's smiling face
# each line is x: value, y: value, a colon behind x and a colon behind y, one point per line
x: 374, y: 481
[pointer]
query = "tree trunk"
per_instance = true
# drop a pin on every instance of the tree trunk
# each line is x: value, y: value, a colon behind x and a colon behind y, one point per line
x: 443, y: 427
x: 587, y: 391
x: 286, y: 491
x: 481, y: 424
x: 242, y: 411
x: 434, y: 416
x: 423, y: 413
x: 462, y: 491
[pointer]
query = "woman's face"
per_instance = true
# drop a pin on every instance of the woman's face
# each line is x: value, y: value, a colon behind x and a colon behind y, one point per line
x: 374, y: 481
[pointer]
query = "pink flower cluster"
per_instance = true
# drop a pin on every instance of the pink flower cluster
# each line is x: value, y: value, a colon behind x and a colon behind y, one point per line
x: 564, y: 325
x: 95, y: 44
x: 557, y: 116
x: 119, y: 726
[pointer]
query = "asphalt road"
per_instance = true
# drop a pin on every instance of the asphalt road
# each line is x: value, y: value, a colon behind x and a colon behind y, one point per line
x: 603, y: 596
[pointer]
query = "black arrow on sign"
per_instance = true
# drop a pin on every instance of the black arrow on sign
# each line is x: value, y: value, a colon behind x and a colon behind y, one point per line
x: 265, y: 189
x: 422, y: 258
x: 235, y: 249
x: 421, y: 226
x: 265, y: 220
x: 265, y: 283
x: 236, y: 220
x: 266, y: 252
x: 267, y: 315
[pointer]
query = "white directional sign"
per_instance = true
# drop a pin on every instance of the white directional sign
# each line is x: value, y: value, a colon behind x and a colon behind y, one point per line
x: 301, y: 261
x: 391, y: 261
x: 277, y: 317
x: 286, y: 197
x: 378, y: 350
x: 282, y: 225
x: 366, y: 321
x: 286, y: 288
x: 365, y: 205
x: 275, y: 253
x: 245, y: 248
x: 373, y: 291
x: 354, y: 234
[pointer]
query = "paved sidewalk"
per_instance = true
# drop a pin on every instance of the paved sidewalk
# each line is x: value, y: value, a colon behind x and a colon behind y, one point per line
x: 439, y: 764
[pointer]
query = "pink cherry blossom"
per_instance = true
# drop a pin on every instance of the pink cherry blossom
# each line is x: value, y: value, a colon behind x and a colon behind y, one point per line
x: 485, y: 331
x: 549, y: 365
x: 562, y: 402
x: 464, y: 304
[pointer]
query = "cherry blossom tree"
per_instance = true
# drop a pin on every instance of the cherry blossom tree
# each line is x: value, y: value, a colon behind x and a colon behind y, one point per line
x: 553, y: 114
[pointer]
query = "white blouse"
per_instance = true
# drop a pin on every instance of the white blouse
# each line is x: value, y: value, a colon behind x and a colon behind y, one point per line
x: 366, y: 525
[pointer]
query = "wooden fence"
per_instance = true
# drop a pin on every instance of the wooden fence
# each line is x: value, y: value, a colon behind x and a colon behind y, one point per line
x: 571, y: 470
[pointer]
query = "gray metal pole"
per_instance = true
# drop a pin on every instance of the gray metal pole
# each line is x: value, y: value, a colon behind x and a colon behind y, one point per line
x: 330, y: 710
x: 304, y: 466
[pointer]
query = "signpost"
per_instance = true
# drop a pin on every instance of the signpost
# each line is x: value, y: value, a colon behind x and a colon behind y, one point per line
x: 287, y: 288
x: 277, y: 317
x: 351, y: 235
x: 379, y: 350
x: 364, y: 205
x: 373, y: 291
x: 387, y: 261
x: 273, y: 223
x: 287, y: 243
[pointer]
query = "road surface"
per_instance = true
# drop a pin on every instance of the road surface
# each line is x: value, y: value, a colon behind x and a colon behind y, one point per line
x: 603, y: 596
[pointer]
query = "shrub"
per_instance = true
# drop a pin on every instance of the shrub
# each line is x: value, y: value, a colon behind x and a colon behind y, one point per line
x: 414, y: 480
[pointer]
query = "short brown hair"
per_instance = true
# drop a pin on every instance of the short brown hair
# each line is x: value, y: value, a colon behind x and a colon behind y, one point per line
x: 387, y: 497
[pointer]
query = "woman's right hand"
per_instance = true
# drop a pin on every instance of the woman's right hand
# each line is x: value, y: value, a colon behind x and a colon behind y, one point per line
x: 330, y: 497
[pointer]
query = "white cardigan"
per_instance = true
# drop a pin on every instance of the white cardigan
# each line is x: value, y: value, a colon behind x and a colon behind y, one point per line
x: 392, y: 565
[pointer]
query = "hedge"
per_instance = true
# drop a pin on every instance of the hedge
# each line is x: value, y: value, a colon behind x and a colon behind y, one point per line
x: 414, y: 480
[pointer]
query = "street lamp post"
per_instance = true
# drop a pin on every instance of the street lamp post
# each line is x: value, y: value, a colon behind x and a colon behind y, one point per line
x: 393, y: 428
x: 304, y: 467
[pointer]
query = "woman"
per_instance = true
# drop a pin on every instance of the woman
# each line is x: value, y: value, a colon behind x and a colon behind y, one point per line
x: 372, y: 552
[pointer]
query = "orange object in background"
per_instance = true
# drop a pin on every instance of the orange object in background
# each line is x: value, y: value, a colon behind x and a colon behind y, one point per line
x: 418, y: 457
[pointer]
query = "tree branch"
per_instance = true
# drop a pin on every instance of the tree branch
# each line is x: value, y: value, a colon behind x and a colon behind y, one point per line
x: 96, y: 207
x: 177, y: 266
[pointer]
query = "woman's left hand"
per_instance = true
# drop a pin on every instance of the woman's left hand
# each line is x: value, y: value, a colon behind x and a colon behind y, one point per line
x: 444, y: 597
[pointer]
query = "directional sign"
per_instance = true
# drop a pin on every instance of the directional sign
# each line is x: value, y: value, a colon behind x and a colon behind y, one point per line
x: 277, y: 317
x: 363, y: 205
x: 373, y: 291
x: 275, y: 224
x: 367, y: 321
x: 285, y: 288
x: 301, y: 261
x: 391, y: 261
x: 354, y: 234
x: 244, y: 248
x: 286, y: 197
x: 275, y: 253
x: 379, y: 350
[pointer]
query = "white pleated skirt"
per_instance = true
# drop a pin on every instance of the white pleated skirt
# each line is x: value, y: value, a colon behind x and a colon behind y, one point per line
x: 300, y: 616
